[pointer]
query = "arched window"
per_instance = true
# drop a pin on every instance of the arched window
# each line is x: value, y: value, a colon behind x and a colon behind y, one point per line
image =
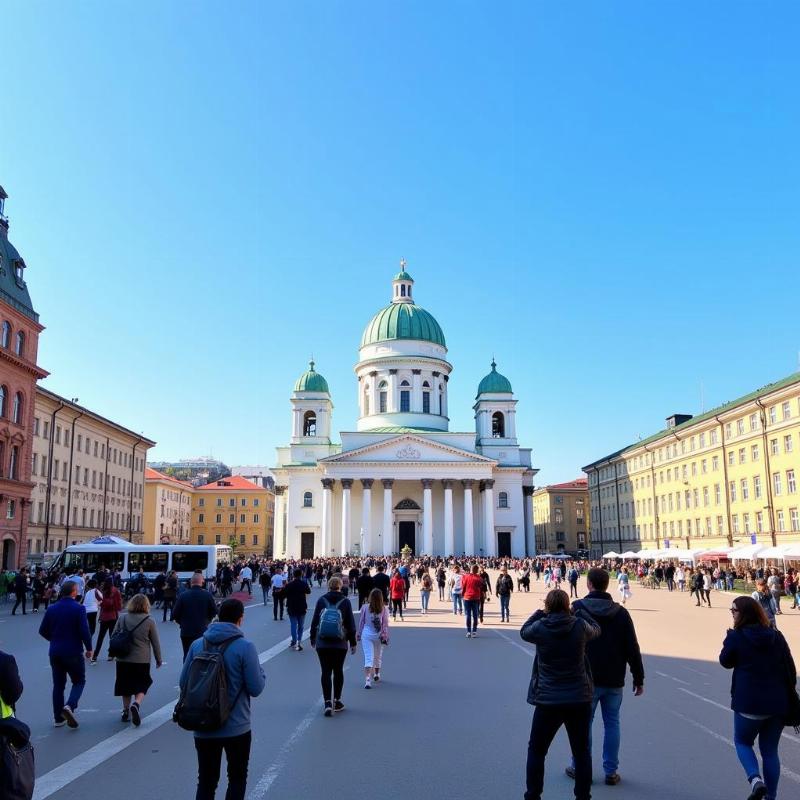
x: 5, y: 337
x: 3, y: 396
x: 426, y: 398
x: 405, y: 396
x: 19, y: 344
x: 502, y: 500
x: 307, y: 498
x: 309, y: 424
x: 402, y: 291
x: 498, y: 425
x: 441, y: 400
x: 14, y: 463
x: 17, y: 412
x: 382, y: 397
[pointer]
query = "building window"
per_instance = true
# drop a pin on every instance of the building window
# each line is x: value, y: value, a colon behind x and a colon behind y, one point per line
x: 201, y: 539
x: 757, y: 486
x: 382, y: 396
x: 231, y: 518
x: 6, y: 335
x: 232, y: 502
x: 241, y: 538
x: 202, y: 502
x: 19, y: 344
x: 255, y: 501
x: 794, y: 519
x: 754, y: 454
x: 219, y: 519
x: 754, y: 422
x: 740, y: 426
x: 558, y: 516
x: 760, y: 521
x: 219, y: 502
x: 774, y: 449
x: 309, y: 424
x: 781, y: 521
x: 405, y: 397
x: 241, y: 519
x: 426, y: 402
x: 786, y: 409
x: 731, y: 458
x: 732, y: 492
x: 776, y: 482
x: 366, y: 401
x: 13, y: 466
x: 218, y: 539
x: 773, y: 415
x: 502, y: 500
x: 307, y: 497
x: 742, y: 455
x: 255, y: 540
x: 16, y: 415
x: 745, y: 489
x: 791, y: 484
x: 201, y: 518
x: 11, y: 509
x: 256, y: 518
x: 498, y: 425
x: 788, y: 444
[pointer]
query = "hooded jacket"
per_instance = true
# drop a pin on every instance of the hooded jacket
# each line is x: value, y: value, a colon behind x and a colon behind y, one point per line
x: 763, y: 669
x: 618, y: 645
x: 561, y: 672
x: 245, y: 677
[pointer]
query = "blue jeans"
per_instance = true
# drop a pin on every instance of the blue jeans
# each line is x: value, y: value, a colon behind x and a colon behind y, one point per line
x: 768, y: 732
x: 74, y: 667
x: 471, y: 608
x: 457, y: 603
x: 426, y: 596
x: 505, y: 599
x: 296, y: 622
x: 610, y: 700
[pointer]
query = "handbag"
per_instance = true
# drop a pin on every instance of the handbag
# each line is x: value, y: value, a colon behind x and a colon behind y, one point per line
x: 121, y: 643
x: 17, y: 774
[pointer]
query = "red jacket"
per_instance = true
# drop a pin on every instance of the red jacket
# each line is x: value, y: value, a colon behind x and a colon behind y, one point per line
x: 397, y: 587
x: 472, y: 587
x: 110, y: 606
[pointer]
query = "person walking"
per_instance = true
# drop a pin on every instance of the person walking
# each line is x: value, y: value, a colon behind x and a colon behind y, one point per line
x: 133, y: 669
x: 91, y: 602
x: 572, y: 578
x: 623, y: 585
x: 707, y: 587
x: 561, y: 689
x: 21, y: 591
x: 503, y: 589
x: 278, y: 598
x: 763, y: 675
x: 775, y: 586
x: 382, y: 581
x: 472, y: 587
x: 65, y: 626
x: 441, y: 580
x: 373, y: 633
x: 193, y: 611
x: 425, y: 589
x: 170, y: 595
x: 245, y: 679
x: 246, y: 580
x: 397, y: 589
x: 109, y: 607
x: 296, y: 607
x: 454, y: 584
x: 486, y: 590
x: 265, y: 582
x: 365, y: 583
x: 697, y: 585
x: 609, y: 655
x: 764, y: 598
x: 333, y: 628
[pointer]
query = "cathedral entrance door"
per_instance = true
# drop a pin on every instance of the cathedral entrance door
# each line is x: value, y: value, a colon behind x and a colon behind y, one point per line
x: 504, y: 544
x: 407, y: 534
x: 307, y: 544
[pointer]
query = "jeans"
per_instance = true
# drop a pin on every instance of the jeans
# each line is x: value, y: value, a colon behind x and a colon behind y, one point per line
x: 769, y: 733
x: 458, y: 605
x: 505, y: 600
x: 63, y: 666
x: 471, y: 608
x: 209, y: 758
x: 265, y: 593
x: 441, y: 592
x: 610, y: 700
x: 331, y: 662
x: 296, y: 622
x: 576, y: 717
x: 426, y: 597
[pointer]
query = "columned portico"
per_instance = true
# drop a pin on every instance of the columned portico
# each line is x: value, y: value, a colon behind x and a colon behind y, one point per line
x: 388, y: 521
x: 347, y: 484
x: 327, y: 512
x: 469, y: 526
x: 366, y: 515
x: 449, y: 530
x: 427, y: 517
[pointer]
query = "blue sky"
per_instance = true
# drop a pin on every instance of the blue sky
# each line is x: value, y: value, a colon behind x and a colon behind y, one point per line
x: 603, y: 195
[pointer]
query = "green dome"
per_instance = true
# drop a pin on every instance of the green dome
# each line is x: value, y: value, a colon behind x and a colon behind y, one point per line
x: 495, y: 383
x: 311, y: 381
x: 403, y: 276
x: 403, y: 321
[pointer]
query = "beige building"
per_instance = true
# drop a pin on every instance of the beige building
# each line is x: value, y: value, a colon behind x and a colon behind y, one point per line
x: 88, y: 475
x: 725, y: 478
x: 167, y: 509
x: 561, y: 517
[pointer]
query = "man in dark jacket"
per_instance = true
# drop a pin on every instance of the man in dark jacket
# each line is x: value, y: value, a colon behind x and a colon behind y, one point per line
x: 381, y: 581
x: 296, y: 607
x: 21, y: 591
x: 193, y: 611
x: 66, y: 627
x: 616, y: 649
x: 365, y: 584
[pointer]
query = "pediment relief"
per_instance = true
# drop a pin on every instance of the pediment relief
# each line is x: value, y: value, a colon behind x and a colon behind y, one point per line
x: 407, y: 449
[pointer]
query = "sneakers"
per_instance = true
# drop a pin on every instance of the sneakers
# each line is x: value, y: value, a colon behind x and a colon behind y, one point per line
x: 126, y: 717
x: 613, y: 779
x: 328, y: 710
x: 474, y: 634
x: 338, y: 705
x: 368, y: 684
x: 757, y: 789
x: 69, y: 716
x: 469, y: 635
x: 292, y: 645
x: 136, y: 716
x: 376, y: 678
x: 570, y: 772
x: 59, y: 723
x: 299, y: 647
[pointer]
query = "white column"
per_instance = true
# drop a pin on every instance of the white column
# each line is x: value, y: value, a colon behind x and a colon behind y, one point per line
x: 416, y: 392
x: 469, y: 524
x: 327, y: 493
x: 444, y: 399
x: 393, y: 399
x: 427, y: 517
x: 346, y: 484
x: 530, y: 530
x: 388, y: 528
x: 374, y: 380
x: 449, y: 539
x: 366, y: 515
x: 489, y: 535
x: 279, y: 537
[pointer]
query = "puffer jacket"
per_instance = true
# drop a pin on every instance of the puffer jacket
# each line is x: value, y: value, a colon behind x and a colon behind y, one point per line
x: 561, y: 672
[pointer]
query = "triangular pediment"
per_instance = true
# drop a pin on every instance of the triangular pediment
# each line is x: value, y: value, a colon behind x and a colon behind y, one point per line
x: 407, y: 449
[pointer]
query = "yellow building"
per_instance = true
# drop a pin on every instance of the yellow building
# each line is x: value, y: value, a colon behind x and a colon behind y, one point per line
x: 560, y: 517
x: 234, y: 511
x: 167, y: 509
x: 725, y: 478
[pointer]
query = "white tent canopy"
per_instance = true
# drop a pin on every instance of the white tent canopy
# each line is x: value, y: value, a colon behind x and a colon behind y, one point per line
x: 746, y: 553
x: 611, y: 554
x: 648, y: 553
x: 629, y: 554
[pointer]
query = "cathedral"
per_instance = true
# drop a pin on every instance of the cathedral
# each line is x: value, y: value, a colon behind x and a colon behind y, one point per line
x: 402, y: 477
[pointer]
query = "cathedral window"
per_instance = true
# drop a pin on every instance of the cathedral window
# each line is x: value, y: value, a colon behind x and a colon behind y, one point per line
x: 309, y: 424
x: 405, y: 397
x: 402, y: 291
x: 426, y: 402
x: 307, y: 499
x: 498, y: 425
x: 502, y: 500
x: 382, y: 397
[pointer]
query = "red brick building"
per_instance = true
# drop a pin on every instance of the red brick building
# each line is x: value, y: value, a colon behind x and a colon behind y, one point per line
x: 19, y: 342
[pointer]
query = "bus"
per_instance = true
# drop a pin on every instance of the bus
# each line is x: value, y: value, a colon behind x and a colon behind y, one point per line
x: 117, y: 554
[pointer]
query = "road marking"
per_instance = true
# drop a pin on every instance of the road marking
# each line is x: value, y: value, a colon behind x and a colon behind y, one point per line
x: 527, y: 651
x: 673, y: 678
x: 64, y: 774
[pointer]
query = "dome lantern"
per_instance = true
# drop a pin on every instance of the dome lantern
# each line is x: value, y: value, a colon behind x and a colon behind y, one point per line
x: 401, y: 285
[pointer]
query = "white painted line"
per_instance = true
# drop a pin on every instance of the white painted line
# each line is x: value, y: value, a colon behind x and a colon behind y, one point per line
x: 673, y: 678
x: 61, y: 776
x: 528, y: 651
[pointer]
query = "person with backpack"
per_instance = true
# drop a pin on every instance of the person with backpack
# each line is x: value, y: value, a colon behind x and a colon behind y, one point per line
x: 219, y: 677
x: 503, y: 589
x: 426, y: 587
x: 333, y: 627
x: 296, y: 607
x: 373, y: 633
x: 133, y: 643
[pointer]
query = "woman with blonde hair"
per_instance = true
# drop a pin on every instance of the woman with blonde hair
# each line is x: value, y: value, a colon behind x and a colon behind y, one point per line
x: 139, y: 635
x: 373, y: 633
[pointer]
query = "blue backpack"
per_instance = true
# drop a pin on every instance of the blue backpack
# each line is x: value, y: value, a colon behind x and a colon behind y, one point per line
x: 331, y: 623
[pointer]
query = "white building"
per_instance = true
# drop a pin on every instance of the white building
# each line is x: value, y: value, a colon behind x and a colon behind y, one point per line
x: 402, y: 477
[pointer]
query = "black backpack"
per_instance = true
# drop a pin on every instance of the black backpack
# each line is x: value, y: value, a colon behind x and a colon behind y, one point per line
x: 204, y: 704
x: 121, y: 643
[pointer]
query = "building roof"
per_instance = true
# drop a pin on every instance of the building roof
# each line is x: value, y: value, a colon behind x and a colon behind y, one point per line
x: 495, y: 383
x: 311, y: 381
x: 154, y: 475
x: 233, y: 483
x: 725, y: 407
x: 403, y: 321
x: 13, y: 289
x: 578, y: 483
